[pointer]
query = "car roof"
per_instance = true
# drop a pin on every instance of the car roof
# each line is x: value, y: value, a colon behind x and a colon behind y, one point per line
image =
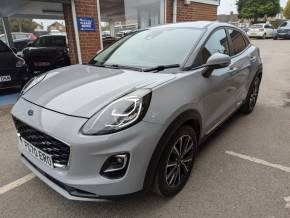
x: 195, y: 25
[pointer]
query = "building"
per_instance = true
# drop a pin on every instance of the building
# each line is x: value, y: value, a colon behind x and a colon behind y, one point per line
x: 84, y: 19
x: 38, y: 26
x: 56, y: 26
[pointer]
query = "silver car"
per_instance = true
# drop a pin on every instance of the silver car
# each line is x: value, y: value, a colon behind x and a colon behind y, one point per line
x: 131, y: 120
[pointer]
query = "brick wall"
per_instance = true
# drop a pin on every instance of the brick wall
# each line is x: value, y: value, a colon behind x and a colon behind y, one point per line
x: 89, y: 41
x: 192, y: 12
x: 70, y: 33
x: 169, y: 11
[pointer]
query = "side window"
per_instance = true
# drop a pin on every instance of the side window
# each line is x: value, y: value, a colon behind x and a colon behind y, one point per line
x: 217, y: 43
x: 238, y: 42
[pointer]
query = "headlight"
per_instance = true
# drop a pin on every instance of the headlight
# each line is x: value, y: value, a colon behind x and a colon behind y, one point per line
x: 34, y: 81
x: 120, y: 114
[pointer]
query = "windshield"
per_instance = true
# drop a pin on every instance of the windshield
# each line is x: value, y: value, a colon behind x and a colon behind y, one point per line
x: 150, y: 48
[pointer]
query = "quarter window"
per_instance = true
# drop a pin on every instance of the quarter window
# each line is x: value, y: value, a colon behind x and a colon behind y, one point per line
x: 217, y: 43
x: 238, y: 42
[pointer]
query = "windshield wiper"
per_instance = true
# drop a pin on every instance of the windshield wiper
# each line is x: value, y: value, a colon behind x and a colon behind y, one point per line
x: 161, y: 68
x: 117, y: 66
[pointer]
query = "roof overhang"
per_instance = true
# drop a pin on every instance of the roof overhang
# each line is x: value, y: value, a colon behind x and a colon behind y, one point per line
x: 43, y: 9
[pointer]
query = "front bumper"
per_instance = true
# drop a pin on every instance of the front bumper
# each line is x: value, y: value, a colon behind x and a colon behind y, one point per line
x: 88, y: 153
x: 283, y: 35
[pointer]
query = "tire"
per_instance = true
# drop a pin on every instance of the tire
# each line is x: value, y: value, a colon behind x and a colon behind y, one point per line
x: 264, y: 36
x: 176, y: 162
x: 252, y: 96
x: 275, y: 38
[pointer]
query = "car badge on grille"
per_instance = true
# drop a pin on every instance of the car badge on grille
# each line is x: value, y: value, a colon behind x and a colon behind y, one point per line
x: 30, y: 112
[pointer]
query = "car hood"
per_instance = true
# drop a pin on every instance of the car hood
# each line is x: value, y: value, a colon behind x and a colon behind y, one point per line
x: 82, y: 90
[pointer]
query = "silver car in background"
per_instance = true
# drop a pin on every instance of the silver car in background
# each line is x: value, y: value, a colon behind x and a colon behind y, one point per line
x: 261, y: 30
x: 132, y: 119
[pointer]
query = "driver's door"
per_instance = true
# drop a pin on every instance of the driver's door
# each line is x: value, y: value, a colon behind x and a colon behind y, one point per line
x: 219, y: 101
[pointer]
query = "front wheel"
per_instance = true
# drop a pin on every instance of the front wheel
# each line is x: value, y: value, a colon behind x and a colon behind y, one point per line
x: 252, y: 97
x: 176, y: 162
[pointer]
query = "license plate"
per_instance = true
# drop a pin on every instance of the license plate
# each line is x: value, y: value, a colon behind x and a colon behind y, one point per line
x: 5, y: 78
x: 41, y: 64
x: 37, y: 153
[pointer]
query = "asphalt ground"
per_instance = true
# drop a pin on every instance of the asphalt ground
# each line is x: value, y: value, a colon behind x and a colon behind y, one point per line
x: 241, y: 171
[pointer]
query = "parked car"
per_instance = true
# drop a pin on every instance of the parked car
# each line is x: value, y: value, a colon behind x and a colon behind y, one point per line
x: 20, y: 40
x: 283, y: 31
x: 13, y: 70
x: 132, y: 119
x: 261, y: 30
x: 46, y: 53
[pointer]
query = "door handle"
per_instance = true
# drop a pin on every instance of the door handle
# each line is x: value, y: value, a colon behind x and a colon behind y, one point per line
x: 253, y: 59
x: 233, y: 70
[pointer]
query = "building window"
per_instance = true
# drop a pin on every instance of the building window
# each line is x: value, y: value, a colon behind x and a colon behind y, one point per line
x: 120, y: 17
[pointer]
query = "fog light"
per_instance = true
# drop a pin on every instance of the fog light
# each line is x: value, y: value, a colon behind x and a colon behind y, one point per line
x: 115, y: 166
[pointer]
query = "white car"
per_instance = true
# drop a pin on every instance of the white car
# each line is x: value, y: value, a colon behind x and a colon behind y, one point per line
x: 261, y: 30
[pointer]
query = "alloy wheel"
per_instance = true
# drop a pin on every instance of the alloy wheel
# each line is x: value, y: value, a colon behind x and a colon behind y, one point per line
x: 254, y: 93
x: 179, y: 161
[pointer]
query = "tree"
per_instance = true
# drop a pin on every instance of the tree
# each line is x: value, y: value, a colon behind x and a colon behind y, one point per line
x: 19, y: 25
x: 286, y: 11
x: 254, y: 9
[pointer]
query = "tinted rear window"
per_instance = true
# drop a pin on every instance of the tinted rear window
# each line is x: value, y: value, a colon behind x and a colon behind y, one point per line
x: 257, y: 26
x: 58, y: 41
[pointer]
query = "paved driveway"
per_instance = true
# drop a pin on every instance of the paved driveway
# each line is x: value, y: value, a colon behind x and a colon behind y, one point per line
x: 242, y: 171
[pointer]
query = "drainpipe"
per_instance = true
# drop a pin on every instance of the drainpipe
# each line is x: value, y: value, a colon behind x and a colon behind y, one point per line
x: 73, y: 8
x: 7, y: 31
x: 174, y: 11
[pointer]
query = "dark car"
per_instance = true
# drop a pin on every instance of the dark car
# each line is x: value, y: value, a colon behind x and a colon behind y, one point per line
x: 283, y: 31
x: 47, y: 53
x: 13, y: 70
x: 20, y: 39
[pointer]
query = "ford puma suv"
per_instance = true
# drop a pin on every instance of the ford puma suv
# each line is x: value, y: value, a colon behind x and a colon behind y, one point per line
x: 131, y: 120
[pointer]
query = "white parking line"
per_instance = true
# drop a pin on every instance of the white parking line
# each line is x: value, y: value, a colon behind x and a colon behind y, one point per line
x: 259, y: 161
x: 16, y: 183
x: 265, y: 163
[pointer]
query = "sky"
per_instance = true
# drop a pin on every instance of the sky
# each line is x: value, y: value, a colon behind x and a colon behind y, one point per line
x: 226, y: 6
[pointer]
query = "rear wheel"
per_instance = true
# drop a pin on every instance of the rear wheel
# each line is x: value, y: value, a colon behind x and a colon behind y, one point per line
x: 252, y: 97
x: 176, y: 162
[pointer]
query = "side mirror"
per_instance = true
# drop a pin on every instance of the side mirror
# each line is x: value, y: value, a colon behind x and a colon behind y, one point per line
x: 216, y: 61
x: 14, y: 50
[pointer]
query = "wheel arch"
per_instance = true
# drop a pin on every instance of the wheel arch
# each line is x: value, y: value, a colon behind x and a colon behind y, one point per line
x: 190, y: 117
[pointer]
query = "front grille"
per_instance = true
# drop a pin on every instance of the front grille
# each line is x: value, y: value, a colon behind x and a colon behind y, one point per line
x: 58, y: 150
